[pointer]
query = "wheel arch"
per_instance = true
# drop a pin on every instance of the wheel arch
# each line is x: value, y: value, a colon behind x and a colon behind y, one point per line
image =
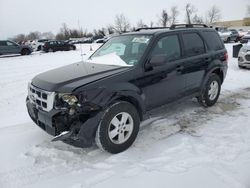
x: 220, y: 73
x: 134, y: 102
x: 215, y: 70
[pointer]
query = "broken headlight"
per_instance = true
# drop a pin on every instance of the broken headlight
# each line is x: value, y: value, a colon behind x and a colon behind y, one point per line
x: 70, y: 99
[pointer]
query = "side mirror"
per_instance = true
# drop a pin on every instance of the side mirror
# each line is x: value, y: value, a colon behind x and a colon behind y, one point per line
x: 158, y: 60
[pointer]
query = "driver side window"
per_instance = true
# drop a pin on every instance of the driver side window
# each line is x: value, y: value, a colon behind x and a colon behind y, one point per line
x: 168, y: 46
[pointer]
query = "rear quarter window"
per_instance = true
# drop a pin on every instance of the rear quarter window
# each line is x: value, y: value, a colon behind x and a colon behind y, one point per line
x: 213, y: 40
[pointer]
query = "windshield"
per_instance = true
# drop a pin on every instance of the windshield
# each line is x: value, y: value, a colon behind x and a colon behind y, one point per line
x: 121, y: 50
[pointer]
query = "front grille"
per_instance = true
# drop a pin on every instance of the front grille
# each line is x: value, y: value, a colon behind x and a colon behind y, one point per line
x: 43, y: 100
x: 247, y: 57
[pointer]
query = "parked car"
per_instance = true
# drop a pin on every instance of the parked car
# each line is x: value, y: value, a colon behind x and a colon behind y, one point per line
x: 37, y: 44
x: 242, y: 33
x: 53, y: 46
x: 246, y: 38
x: 244, y: 57
x: 229, y: 35
x: 104, y: 99
x: 10, y: 47
x: 100, y: 41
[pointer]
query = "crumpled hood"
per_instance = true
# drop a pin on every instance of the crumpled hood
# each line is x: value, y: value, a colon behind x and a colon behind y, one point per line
x: 67, y: 78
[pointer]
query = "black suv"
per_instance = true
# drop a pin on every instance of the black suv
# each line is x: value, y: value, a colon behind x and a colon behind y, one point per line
x: 104, y: 99
x: 53, y: 46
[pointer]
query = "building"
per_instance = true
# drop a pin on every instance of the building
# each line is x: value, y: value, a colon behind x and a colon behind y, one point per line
x: 236, y: 24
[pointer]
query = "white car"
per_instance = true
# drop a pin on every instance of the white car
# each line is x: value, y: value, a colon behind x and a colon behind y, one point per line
x: 37, y: 44
x: 244, y: 56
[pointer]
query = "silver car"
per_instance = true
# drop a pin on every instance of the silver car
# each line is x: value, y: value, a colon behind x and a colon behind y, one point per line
x: 244, y: 56
x: 10, y: 47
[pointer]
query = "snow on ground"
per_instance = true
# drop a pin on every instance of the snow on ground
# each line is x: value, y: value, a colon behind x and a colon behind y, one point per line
x: 184, y: 145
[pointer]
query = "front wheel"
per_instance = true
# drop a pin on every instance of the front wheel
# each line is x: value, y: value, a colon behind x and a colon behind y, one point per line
x: 211, y: 91
x: 118, y: 128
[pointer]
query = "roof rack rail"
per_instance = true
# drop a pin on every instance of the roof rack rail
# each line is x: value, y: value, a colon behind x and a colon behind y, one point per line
x: 150, y: 28
x: 180, y: 26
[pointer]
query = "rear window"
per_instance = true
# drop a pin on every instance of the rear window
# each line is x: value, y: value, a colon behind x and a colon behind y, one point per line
x: 193, y: 44
x: 213, y: 40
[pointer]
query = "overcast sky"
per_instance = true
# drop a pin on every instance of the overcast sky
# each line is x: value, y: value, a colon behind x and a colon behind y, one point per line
x: 23, y: 16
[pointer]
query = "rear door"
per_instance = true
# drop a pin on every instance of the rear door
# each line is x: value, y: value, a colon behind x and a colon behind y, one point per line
x: 197, y: 60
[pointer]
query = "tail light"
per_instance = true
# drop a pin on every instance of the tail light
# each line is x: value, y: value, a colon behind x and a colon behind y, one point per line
x: 226, y: 57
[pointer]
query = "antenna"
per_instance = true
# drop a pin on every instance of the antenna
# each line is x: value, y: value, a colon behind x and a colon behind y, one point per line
x: 85, y: 68
x: 80, y: 29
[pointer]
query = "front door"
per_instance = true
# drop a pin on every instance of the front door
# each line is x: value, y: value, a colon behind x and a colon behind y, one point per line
x: 164, y: 83
x: 12, y: 48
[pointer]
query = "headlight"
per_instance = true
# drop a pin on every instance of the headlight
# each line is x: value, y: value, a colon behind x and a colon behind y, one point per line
x: 68, y: 98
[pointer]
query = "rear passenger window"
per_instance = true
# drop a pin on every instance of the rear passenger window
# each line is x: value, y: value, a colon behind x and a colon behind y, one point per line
x: 213, y: 40
x: 193, y: 44
x: 168, y: 46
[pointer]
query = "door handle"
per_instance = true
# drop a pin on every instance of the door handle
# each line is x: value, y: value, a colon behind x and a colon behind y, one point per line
x: 179, y: 68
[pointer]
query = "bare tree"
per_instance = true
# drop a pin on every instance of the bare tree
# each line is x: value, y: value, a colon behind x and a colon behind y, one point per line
x: 99, y: 33
x: 174, y: 14
x: 213, y: 15
x: 141, y: 24
x: 33, y: 35
x: 48, y: 35
x: 151, y: 24
x: 190, y: 10
x: 19, y: 38
x: 122, y: 24
x: 164, y: 19
x: 197, y: 19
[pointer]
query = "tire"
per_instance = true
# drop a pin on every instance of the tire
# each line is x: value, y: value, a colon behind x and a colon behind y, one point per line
x: 211, y: 92
x: 39, y: 48
x: 228, y: 40
x: 25, y: 52
x: 71, y: 48
x: 241, y: 67
x: 115, y: 135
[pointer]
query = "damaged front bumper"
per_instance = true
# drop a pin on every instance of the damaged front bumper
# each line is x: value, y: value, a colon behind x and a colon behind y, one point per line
x: 73, y: 130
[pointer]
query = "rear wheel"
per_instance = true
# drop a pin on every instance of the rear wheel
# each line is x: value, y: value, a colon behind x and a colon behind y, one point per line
x: 211, y: 91
x: 118, y: 128
x: 25, y: 51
